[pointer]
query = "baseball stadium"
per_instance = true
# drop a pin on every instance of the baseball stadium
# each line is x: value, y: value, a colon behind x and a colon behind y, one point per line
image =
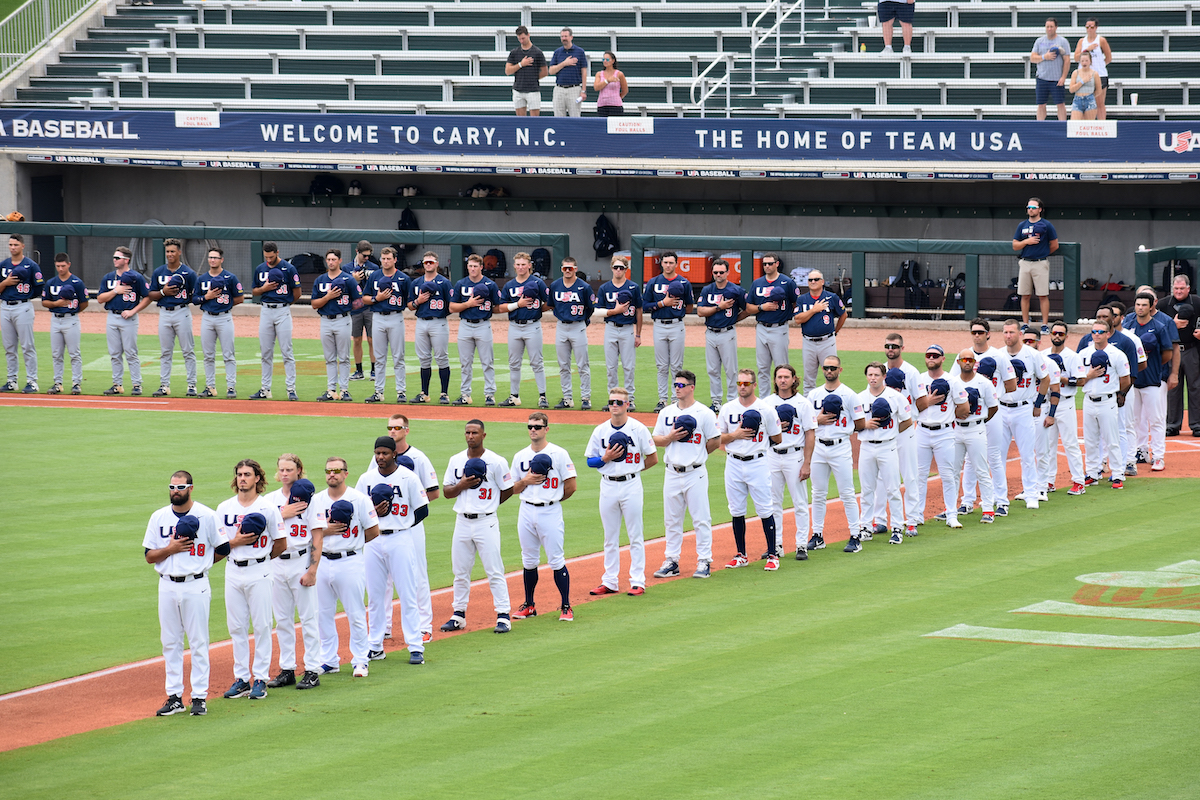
x: 528, y: 395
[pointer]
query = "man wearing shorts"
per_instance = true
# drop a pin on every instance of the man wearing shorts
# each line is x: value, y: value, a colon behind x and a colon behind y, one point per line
x: 1034, y: 241
x: 1052, y: 54
x: 527, y: 65
x: 888, y: 13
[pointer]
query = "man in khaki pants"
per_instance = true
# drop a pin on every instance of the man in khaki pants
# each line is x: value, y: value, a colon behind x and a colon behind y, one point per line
x: 1034, y: 241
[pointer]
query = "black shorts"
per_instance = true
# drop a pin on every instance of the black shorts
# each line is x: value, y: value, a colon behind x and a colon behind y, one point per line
x: 360, y: 323
x: 1104, y: 82
x: 888, y: 11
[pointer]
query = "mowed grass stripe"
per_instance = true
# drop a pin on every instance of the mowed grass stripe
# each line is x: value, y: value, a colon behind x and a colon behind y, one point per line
x: 817, y: 681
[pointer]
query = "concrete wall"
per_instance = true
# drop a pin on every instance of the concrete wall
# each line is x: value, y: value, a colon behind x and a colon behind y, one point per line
x: 123, y: 194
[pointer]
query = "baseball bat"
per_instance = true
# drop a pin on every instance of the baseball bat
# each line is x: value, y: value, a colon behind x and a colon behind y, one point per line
x: 946, y: 290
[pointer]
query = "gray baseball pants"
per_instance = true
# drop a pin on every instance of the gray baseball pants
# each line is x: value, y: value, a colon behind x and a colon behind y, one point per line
x: 335, y: 344
x: 668, y: 354
x: 64, y: 338
x: 122, y: 335
x: 720, y: 350
x: 432, y: 341
x: 16, y: 323
x: 275, y: 325
x: 770, y: 350
x: 214, y: 328
x: 618, y: 346
x: 176, y: 323
x: 522, y: 338
x: 476, y: 337
x: 568, y: 337
x: 814, y: 354
x: 387, y: 330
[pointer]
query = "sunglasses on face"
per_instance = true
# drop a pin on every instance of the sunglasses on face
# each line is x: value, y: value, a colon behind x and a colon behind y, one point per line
x: 816, y: 280
x: 333, y: 471
x: 1032, y: 208
x: 681, y: 385
x: 618, y: 266
x: 891, y: 347
x: 831, y: 369
x: 745, y: 383
x: 428, y: 262
x: 978, y: 333
x: 178, y: 487
x: 533, y: 427
x: 396, y: 427
x: 614, y: 402
x: 769, y: 263
x: 966, y: 361
x: 934, y: 355
x: 1099, y: 332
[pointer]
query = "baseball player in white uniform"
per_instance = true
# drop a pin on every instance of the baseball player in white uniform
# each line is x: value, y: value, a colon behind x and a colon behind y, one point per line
x: 400, y: 504
x: 1045, y: 448
x: 790, y: 461
x: 944, y: 402
x: 905, y: 379
x: 687, y: 445
x: 970, y: 432
x: 1021, y: 411
x: 749, y: 427
x: 248, y: 580
x: 878, y: 457
x: 343, y: 521
x: 478, y: 481
x: 183, y: 542
x: 277, y: 286
x: 1066, y: 420
x: 547, y: 481
x: 294, y: 590
x: 839, y: 414
x: 1004, y: 380
x: 1102, y: 383
x: 1128, y: 343
x: 620, y: 449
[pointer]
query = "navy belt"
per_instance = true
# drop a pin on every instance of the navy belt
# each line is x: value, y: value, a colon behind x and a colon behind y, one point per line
x: 927, y: 426
x: 336, y: 556
x: 118, y: 313
x: 63, y: 316
x: 831, y: 442
x: 783, y: 451
x: 477, y: 321
x: 385, y: 313
x: 14, y: 302
x: 973, y: 422
x: 1099, y: 398
x: 297, y: 554
x: 247, y: 562
x: 720, y: 330
x: 612, y: 321
x: 524, y: 321
x: 666, y: 321
x: 1014, y: 405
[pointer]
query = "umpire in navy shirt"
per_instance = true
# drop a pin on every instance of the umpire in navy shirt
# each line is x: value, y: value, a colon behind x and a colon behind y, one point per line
x: 1034, y: 241
x: 569, y: 67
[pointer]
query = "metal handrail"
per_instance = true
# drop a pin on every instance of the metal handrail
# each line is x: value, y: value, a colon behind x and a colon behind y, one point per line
x: 34, y: 24
x: 709, y: 91
x: 776, y: 6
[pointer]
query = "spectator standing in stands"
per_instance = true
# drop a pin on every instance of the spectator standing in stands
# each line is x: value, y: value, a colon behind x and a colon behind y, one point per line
x: 527, y: 65
x: 889, y: 12
x: 1182, y: 306
x: 1034, y: 241
x: 610, y: 83
x: 1083, y: 86
x: 1101, y: 53
x: 569, y: 67
x: 1052, y: 54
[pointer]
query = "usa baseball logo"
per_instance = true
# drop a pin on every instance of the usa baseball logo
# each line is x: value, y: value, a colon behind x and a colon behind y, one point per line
x: 1178, y: 142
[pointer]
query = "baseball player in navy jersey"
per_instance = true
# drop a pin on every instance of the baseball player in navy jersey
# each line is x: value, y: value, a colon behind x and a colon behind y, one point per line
x: 334, y: 295
x: 667, y: 298
x: 183, y: 542
x: 574, y: 304
x: 475, y: 298
x: 392, y: 558
x: 620, y: 449
x: 905, y: 379
x: 621, y: 302
x: 970, y: 432
x: 839, y: 414
x: 1106, y: 378
x: 773, y: 302
x: 1066, y: 421
x: 65, y: 295
x: 361, y: 268
x: 1021, y: 411
x: 943, y: 403
x: 821, y: 315
x: 277, y: 286
x: 123, y: 293
x: 721, y: 305
x: 1148, y: 400
x: 171, y: 287
x: 252, y: 524
x: 688, y: 432
x: 217, y: 292
x: 790, y: 462
x: 478, y: 481
x: 294, y: 579
x: 20, y: 282
x: 343, y: 521
x: 547, y: 480
x: 1004, y: 380
x: 430, y: 297
x: 386, y: 294
x: 887, y: 414
x: 749, y: 427
x: 526, y: 298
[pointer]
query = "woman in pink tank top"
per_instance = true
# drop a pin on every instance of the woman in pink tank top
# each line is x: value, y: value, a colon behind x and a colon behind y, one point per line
x: 610, y: 83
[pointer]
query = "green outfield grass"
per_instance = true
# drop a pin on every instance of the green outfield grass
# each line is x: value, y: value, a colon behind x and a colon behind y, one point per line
x: 817, y: 681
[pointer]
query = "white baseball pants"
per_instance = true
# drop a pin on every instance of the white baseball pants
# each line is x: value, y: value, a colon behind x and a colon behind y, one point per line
x: 622, y: 501
x: 393, y: 555
x: 971, y: 447
x: 478, y: 536
x: 785, y: 473
x: 1018, y: 424
x: 183, y: 608
x: 937, y: 445
x: 344, y: 579
x: 289, y: 598
x: 247, y: 602
x: 684, y: 493
x: 1102, y: 436
x: 879, y: 474
x: 836, y: 460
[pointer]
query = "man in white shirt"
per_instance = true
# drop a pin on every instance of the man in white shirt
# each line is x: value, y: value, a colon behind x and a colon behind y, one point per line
x: 1021, y: 412
x: 1004, y: 381
x: 749, y: 426
x: 887, y: 415
x: 1066, y: 420
x: 1107, y: 375
x: 790, y: 461
x: 839, y: 414
x: 944, y: 402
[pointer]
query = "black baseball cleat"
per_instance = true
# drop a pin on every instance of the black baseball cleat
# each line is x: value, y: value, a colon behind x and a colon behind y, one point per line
x: 309, y: 680
x: 286, y: 677
x: 416, y: 658
x: 174, y: 705
x: 199, y: 707
x: 240, y: 688
x: 376, y: 655
x: 564, y: 403
x: 587, y: 404
x: 457, y: 622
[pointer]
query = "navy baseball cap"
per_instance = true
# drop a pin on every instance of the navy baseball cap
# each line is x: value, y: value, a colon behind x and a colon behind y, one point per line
x: 277, y: 275
x: 787, y: 414
x: 341, y: 511
x: 624, y: 296
x: 186, y: 527
x: 253, y: 523
x: 677, y: 288
x: 302, y: 491
x: 881, y: 409
x: 973, y: 399
x: 385, y: 441
x: 894, y: 378
x: 731, y: 290
x: 986, y: 366
x: 687, y: 422
x: 620, y: 439
x: 1185, y: 311
x: 531, y: 291
x: 382, y: 493
x: 832, y: 404
x: 175, y: 280
x: 23, y: 272
x: 475, y: 468
x: 129, y: 278
x: 1019, y: 368
x: 541, y: 464
x: 777, y: 295
x: 67, y: 292
x: 751, y: 419
x: 1100, y: 359
x: 1057, y: 359
x: 406, y: 462
x: 940, y: 386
